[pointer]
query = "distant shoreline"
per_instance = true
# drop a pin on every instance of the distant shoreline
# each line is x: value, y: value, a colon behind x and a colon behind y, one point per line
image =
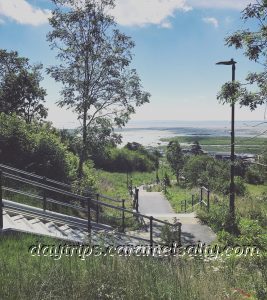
x: 148, y: 134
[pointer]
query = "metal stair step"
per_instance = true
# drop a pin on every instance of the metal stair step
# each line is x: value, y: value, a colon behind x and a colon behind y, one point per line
x: 39, y: 226
x: 54, y: 229
x: 8, y: 221
x: 22, y: 223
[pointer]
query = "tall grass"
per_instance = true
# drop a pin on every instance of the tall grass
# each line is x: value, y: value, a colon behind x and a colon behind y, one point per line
x: 25, y: 277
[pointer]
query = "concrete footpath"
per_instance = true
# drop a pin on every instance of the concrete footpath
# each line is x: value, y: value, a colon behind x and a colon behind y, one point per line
x: 155, y: 204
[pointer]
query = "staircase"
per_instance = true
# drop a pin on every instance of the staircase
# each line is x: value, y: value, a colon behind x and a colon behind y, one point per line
x: 26, y: 219
x: 20, y: 217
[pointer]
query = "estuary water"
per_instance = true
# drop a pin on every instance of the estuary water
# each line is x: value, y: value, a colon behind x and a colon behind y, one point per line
x: 150, y: 133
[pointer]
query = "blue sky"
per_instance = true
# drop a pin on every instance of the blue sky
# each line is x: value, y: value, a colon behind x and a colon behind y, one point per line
x: 178, y: 43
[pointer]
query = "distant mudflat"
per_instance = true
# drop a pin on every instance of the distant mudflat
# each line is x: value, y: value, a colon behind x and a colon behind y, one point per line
x: 155, y: 133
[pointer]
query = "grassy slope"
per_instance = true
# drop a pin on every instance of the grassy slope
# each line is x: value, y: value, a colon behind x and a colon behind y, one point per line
x: 25, y: 277
x: 256, y: 190
x: 176, y: 195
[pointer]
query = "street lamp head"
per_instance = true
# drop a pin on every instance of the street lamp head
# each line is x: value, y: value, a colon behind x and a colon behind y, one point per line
x: 227, y: 63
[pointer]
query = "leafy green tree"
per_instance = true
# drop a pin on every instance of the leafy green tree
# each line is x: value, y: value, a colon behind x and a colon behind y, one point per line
x: 195, y: 170
x: 196, y: 148
x: 175, y: 158
x: 156, y: 158
x: 95, y: 56
x: 20, y: 90
x: 254, y: 43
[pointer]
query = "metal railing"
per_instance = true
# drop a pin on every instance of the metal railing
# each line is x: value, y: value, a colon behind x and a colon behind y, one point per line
x: 87, y: 205
x: 135, y: 195
x: 197, y: 201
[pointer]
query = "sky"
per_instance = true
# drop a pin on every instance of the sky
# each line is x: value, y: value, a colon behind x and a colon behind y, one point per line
x: 177, y: 42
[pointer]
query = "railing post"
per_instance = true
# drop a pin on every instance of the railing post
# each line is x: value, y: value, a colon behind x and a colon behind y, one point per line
x: 208, y: 200
x: 180, y: 234
x: 192, y: 202
x: 131, y: 187
x: 123, y: 216
x: 137, y: 199
x: 134, y: 198
x: 44, y: 195
x: 185, y: 205
x: 89, y: 216
x: 97, y: 208
x: 1, y: 201
x: 201, y: 196
x: 151, y: 230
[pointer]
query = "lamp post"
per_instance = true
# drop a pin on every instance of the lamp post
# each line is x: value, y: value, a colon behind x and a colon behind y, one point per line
x: 232, y: 176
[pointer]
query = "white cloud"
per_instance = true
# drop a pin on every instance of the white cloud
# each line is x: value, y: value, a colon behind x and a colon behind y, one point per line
x: 144, y: 12
x: 220, y: 4
x: 24, y: 13
x: 166, y: 24
x: 212, y: 21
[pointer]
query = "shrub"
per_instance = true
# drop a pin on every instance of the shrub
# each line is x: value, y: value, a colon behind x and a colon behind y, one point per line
x: 125, y: 160
x: 254, y: 176
x: 36, y: 148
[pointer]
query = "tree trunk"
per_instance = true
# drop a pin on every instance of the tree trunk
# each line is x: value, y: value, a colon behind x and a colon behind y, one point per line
x: 83, y: 152
x: 177, y: 177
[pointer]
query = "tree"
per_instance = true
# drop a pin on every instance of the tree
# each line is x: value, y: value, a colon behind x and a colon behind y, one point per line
x: 156, y: 158
x: 254, y: 43
x: 95, y: 56
x: 175, y: 158
x: 20, y: 90
x: 196, y: 148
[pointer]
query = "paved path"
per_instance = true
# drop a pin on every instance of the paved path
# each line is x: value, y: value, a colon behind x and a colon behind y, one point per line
x: 153, y: 203
x: 156, y: 205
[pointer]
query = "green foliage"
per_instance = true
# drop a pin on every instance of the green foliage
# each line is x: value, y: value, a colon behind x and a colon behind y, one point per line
x: 94, y: 69
x: 251, y: 233
x: 195, y: 170
x: 253, y: 41
x: 25, y: 277
x: 212, y: 173
x: 125, y: 160
x: 20, y: 90
x: 176, y: 194
x: 240, y: 187
x: 175, y: 158
x: 35, y: 148
x: 166, y: 179
x: 170, y: 234
x: 251, y: 220
x: 215, y: 144
x: 254, y: 175
x: 196, y: 148
x: 217, y: 217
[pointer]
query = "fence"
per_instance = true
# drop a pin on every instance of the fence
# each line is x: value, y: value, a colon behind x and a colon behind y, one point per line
x: 135, y: 194
x: 194, y: 201
x: 47, y: 192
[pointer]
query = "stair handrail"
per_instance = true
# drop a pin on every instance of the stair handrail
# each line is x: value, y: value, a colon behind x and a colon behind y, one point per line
x: 89, y: 199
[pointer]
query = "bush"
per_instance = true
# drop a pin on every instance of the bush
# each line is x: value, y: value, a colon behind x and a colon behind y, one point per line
x: 254, y: 176
x: 217, y: 217
x: 35, y: 148
x: 240, y: 187
x: 252, y: 234
x: 125, y: 160
x: 204, y: 170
